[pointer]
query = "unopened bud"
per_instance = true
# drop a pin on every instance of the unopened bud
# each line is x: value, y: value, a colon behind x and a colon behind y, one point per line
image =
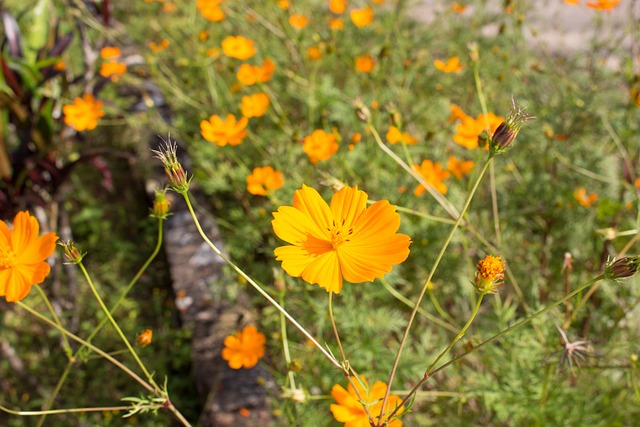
x: 622, y: 268
x: 160, y: 205
x: 362, y: 111
x: 506, y: 133
x: 176, y: 175
x: 71, y: 252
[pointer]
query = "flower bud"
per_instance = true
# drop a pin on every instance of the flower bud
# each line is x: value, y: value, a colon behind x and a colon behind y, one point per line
x: 506, y: 133
x: 489, y: 274
x: 71, y: 252
x: 144, y: 339
x: 160, y: 205
x: 362, y: 111
x: 622, y: 268
x: 176, y: 175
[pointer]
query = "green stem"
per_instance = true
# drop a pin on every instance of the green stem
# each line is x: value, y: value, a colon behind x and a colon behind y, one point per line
x: 87, y: 344
x: 64, y: 411
x: 425, y: 284
x: 257, y: 287
x: 499, y: 334
x: 67, y: 346
x: 285, y: 345
x: 104, y: 321
x: 458, y: 337
x: 116, y: 326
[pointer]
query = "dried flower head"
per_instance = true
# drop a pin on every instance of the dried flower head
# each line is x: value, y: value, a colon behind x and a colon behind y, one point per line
x: 489, y: 274
x: 176, y: 175
x: 622, y: 268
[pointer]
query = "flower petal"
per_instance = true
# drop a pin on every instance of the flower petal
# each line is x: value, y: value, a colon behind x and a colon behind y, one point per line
x: 347, y: 205
x: 308, y: 201
x: 379, y: 219
x: 25, y: 229
x: 38, y: 249
x: 324, y: 270
x: 366, y: 262
x: 294, y: 226
x: 294, y: 259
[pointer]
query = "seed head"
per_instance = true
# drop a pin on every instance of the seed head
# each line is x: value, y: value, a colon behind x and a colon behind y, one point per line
x: 622, y: 268
x: 506, y: 133
x: 176, y: 175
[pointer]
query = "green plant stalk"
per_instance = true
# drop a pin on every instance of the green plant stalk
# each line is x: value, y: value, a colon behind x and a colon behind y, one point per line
x: 67, y: 346
x: 252, y: 282
x: 457, y: 337
x: 285, y: 345
x: 117, y: 327
x: 65, y: 411
x: 425, y: 284
x: 104, y: 321
x: 499, y: 334
x: 89, y: 345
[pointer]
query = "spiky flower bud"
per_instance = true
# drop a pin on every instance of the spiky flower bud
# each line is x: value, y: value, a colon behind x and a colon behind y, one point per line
x: 71, y: 252
x: 176, y: 175
x: 362, y: 111
x: 506, y: 133
x: 622, y: 268
x: 160, y: 205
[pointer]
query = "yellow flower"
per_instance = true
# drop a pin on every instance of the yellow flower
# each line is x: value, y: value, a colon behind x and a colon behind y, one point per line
x: 603, y: 5
x: 457, y: 7
x: 238, y: 47
x: 459, y: 167
x: 255, y: 105
x: 394, y: 136
x: 583, y: 199
x: 314, y: 53
x: 211, y: 10
x: 23, y: 255
x: 263, y: 180
x: 365, y: 63
x: 337, y: 6
x: 489, y: 274
x: 284, y: 4
x: 362, y: 17
x: 108, y: 52
x: 350, y: 410
x: 346, y: 240
x: 113, y: 70
x: 453, y: 65
x: 320, y: 146
x: 433, y: 174
x: 469, y: 130
x: 84, y: 113
x: 245, y: 348
x: 572, y: 2
x: 298, y: 21
x: 222, y: 133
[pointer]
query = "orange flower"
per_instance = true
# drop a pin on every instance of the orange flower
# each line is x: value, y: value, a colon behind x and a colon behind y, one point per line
x: 283, y: 4
x: 238, y: 47
x: 251, y: 74
x: 298, y: 21
x: 169, y: 7
x: 320, y: 146
x: 489, y: 274
x: 337, y: 6
x: 314, y: 53
x: 336, y: 24
x: 572, y: 2
x: 113, y: 70
x: 255, y: 105
x: 457, y: 114
x: 108, y: 52
x: 585, y: 200
x: 433, y: 174
x: 459, y: 167
x: 365, y: 63
x: 159, y: 47
x: 453, y: 65
x: 469, y: 130
x: 222, y: 133
x: 245, y: 348
x: 362, y: 17
x: 84, y: 113
x: 23, y: 255
x: 144, y: 339
x: 394, y: 136
x: 263, y: 180
x: 346, y: 240
x: 457, y: 7
x: 350, y: 410
x: 603, y: 5
x: 211, y: 10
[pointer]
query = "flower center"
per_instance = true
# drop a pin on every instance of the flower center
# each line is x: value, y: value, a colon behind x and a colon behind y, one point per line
x: 339, y: 234
x: 7, y: 258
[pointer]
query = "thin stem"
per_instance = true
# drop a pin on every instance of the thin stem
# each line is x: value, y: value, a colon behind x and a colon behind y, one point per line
x: 104, y: 320
x: 67, y: 346
x: 458, y: 337
x: 335, y: 331
x: 496, y: 336
x: 257, y: 287
x: 89, y: 345
x: 425, y: 285
x: 64, y: 411
x: 285, y: 345
x: 116, y: 326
